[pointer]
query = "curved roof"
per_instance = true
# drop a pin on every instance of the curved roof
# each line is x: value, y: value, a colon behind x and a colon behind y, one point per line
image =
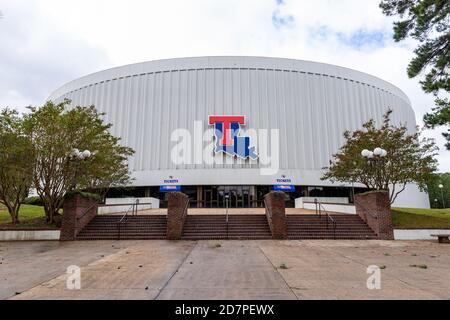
x: 228, y: 62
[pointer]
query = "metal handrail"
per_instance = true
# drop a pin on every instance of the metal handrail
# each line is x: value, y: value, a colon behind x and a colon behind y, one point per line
x: 186, y: 206
x: 320, y: 207
x: 269, y: 211
x: 126, y: 204
x: 124, y: 218
x: 267, y: 208
x: 226, y: 216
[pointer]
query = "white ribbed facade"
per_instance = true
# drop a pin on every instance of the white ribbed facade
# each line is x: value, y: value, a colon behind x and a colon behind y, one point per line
x: 311, y: 104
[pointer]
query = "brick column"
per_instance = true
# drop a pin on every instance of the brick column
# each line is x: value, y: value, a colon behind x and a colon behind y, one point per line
x: 276, y: 214
x: 176, y: 214
x: 75, y: 217
x: 375, y: 209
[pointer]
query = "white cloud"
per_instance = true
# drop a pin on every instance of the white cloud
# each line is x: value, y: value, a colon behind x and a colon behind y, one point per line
x: 50, y: 42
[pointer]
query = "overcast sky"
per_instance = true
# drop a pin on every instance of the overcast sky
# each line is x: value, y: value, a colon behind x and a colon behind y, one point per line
x: 45, y: 43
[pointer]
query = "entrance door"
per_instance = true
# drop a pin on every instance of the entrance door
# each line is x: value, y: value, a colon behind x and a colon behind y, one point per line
x: 208, y: 198
x: 238, y: 196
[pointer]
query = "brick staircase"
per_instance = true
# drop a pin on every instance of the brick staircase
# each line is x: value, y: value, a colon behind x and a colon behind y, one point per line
x: 310, y: 227
x: 104, y: 227
x: 214, y: 227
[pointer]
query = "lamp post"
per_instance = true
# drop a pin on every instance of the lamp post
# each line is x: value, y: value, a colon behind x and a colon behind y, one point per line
x: 377, y: 153
x: 442, y: 195
x: 374, y: 156
x: 76, y: 156
x: 353, y: 184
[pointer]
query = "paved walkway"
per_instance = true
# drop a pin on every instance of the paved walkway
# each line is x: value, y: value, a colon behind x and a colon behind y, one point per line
x: 225, y: 270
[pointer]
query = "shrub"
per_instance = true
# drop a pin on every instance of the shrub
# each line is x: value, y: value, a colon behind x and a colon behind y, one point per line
x: 34, y: 201
x: 92, y: 196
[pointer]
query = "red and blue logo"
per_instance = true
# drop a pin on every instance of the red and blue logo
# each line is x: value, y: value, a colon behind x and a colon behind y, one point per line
x: 228, y: 141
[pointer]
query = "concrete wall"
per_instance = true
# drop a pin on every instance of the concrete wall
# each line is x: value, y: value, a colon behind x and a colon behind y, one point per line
x: 29, y: 235
x: 154, y: 204
x: 333, y: 200
x: 331, y: 207
x: 419, y: 234
x: 412, y: 197
x: 340, y: 208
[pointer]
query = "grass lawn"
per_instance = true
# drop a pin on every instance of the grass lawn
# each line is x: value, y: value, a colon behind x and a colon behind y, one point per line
x: 30, y: 217
x: 404, y: 218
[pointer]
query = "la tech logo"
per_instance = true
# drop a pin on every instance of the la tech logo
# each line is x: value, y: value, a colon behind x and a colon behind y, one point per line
x: 228, y: 141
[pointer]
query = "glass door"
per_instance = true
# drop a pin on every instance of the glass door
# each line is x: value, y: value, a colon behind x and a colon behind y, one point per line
x: 207, y: 196
x: 239, y: 196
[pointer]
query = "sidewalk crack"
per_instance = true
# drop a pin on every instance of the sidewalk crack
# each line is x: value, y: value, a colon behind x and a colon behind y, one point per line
x: 176, y: 271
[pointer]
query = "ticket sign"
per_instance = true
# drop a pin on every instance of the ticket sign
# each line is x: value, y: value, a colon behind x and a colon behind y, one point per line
x: 169, y: 188
x: 284, y: 188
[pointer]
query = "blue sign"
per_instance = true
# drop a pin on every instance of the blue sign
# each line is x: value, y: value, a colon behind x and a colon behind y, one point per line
x: 284, y: 188
x: 169, y: 188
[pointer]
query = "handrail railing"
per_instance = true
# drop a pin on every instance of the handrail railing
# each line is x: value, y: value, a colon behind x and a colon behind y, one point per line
x: 269, y: 212
x: 186, y: 206
x: 112, y: 205
x: 126, y: 204
x: 319, y: 208
x: 226, y: 216
x: 124, y: 218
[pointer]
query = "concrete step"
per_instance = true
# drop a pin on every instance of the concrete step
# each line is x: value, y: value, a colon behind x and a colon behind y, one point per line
x: 214, y: 227
x: 106, y: 227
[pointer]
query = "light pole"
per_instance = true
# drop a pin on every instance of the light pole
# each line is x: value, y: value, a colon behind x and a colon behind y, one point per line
x: 374, y: 156
x: 353, y: 183
x: 376, y: 153
x: 76, y: 156
x: 442, y: 195
x: 436, y: 203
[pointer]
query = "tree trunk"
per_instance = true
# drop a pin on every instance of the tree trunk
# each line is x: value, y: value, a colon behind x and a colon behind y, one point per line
x: 52, y: 211
x: 14, y: 213
x: 15, y: 219
x: 47, y: 210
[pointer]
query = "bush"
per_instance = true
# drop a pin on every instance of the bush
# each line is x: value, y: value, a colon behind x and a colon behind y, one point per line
x: 87, y: 195
x: 34, y: 201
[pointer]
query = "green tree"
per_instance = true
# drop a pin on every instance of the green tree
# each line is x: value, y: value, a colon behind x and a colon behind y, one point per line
x: 442, y: 195
x: 16, y: 163
x: 439, y: 117
x: 428, y: 22
x: 55, y: 131
x: 409, y: 159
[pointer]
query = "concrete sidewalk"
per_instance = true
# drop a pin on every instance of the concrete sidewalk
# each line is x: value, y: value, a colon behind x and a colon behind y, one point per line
x: 225, y: 270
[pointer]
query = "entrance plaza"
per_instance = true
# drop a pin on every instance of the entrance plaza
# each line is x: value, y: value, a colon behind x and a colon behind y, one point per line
x: 242, y: 196
x: 222, y: 211
x: 251, y: 270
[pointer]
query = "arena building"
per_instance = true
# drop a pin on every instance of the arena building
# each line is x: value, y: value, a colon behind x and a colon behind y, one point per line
x: 238, y: 126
